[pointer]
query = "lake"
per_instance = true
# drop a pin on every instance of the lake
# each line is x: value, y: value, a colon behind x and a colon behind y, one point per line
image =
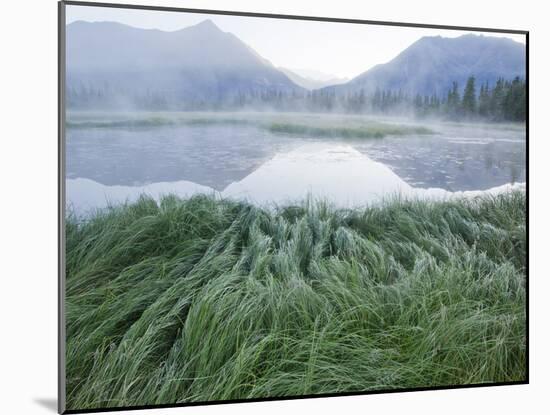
x: 111, y: 158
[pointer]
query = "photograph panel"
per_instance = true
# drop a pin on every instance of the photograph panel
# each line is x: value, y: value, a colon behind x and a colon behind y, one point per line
x: 261, y: 208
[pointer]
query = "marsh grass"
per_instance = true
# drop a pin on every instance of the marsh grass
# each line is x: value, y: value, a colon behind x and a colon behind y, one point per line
x: 202, y: 299
x: 305, y: 125
x: 375, y: 130
x: 152, y: 122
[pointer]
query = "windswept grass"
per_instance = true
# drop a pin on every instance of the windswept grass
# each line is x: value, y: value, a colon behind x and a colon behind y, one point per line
x: 201, y: 299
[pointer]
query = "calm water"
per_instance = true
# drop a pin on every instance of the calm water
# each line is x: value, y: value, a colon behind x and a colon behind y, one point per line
x: 458, y: 158
x: 246, y: 160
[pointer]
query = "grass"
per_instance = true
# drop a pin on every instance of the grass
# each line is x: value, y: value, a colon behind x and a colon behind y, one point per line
x: 202, y: 299
x: 152, y: 122
x: 376, y: 130
x: 305, y: 125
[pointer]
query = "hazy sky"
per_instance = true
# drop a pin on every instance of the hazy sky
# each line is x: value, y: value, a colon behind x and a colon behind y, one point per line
x: 340, y: 49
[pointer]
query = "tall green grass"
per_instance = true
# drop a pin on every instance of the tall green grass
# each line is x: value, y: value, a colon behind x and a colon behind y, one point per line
x: 202, y: 299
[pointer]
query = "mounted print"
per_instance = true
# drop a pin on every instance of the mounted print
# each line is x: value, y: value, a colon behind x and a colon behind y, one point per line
x: 259, y: 207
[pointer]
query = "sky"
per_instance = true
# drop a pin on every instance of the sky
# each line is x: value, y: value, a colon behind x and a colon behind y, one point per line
x: 339, y: 49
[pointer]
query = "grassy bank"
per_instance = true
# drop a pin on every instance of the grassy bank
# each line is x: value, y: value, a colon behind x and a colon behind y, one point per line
x: 196, y: 300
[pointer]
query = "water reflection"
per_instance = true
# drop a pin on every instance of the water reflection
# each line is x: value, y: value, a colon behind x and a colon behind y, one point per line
x: 244, y: 160
x: 212, y: 156
x: 337, y: 173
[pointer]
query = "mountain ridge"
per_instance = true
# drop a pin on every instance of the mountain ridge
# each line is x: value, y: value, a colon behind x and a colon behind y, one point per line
x: 432, y: 63
x: 110, y: 63
x: 197, y: 63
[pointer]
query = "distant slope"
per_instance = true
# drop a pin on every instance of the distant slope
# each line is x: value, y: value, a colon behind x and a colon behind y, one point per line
x: 431, y: 64
x: 309, y: 82
x: 200, y: 63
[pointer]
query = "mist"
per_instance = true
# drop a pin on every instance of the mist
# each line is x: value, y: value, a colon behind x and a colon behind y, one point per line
x: 199, y: 109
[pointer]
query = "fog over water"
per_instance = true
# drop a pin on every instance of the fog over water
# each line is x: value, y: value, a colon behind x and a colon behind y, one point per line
x: 248, y: 161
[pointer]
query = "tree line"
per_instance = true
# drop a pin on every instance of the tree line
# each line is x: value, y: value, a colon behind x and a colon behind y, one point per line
x: 503, y: 101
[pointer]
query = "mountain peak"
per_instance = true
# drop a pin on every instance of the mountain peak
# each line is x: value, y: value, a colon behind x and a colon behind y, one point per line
x: 199, y: 63
x: 474, y: 39
x: 431, y: 64
x: 206, y: 24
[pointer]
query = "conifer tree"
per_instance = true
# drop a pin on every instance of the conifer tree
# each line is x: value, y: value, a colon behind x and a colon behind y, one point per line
x: 469, y: 97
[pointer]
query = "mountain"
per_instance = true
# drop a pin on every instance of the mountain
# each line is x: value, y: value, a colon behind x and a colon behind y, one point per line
x: 431, y: 64
x: 109, y: 61
x: 311, y: 79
